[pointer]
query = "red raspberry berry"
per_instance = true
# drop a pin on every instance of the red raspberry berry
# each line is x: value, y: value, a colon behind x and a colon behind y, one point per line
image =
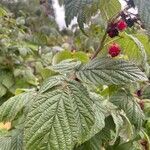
x: 114, y: 49
x: 121, y: 25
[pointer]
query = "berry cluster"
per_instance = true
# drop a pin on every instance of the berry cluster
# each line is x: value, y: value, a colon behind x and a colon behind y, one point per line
x: 114, y: 28
x: 123, y: 21
x: 121, y: 25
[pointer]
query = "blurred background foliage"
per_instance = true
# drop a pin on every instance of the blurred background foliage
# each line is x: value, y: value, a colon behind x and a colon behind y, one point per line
x: 30, y: 42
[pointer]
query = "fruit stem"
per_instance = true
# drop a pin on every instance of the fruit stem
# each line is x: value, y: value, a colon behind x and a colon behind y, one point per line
x: 100, y: 47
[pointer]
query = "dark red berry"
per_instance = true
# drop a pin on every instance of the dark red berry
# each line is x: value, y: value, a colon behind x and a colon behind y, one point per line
x: 130, y: 22
x: 113, y: 32
x: 114, y: 49
x: 139, y: 93
x: 121, y: 25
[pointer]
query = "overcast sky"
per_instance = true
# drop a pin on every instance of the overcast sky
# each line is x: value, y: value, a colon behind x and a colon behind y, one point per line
x: 59, y: 12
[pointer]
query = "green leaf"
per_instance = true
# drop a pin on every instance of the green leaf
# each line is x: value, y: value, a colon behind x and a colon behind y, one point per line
x: 12, y: 141
x: 6, y: 78
x: 3, y: 90
x: 100, y: 111
x: 17, y: 140
x: 141, y: 48
x: 126, y: 132
x: 10, y: 109
x: 59, y: 119
x: 66, y: 66
x: 109, y: 71
x: 146, y: 92
x: 30, y: 77
x: 109, y: 8
x: 125, y: 101
x: 144, y: 11
x: 82, y: 20
x: 3, y: 11
x: 61, y: 56
x: 47, y: 72
x: 85, y: 9
x: 5, y: 143
x: 76, y: 8
x: 105, y: 133
x: 81, y: 56
x: 124, y: 146
x: 118, y: 123
x: 51, y: 82
x: 133, y: 48
x: 95, y: 143
x: 128, y: 145
x: 144, y: 39
x: 78, y: 56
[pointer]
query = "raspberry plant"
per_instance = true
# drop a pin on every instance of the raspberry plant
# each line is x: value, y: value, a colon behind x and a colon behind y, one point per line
x: 89, y: 104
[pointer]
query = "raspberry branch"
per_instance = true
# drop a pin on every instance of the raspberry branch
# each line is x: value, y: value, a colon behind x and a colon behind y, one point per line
x: 101, y: 45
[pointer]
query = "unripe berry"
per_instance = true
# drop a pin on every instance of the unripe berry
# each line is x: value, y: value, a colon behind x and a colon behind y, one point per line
x: 114, y: 49
x: 121, y: 25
